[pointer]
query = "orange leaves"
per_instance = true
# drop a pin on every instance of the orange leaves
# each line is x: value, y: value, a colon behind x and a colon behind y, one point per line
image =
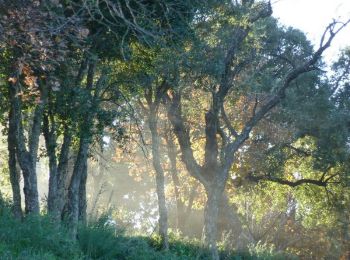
x: 30, y: 80
x: 12, y: 80
x: 39, y: 36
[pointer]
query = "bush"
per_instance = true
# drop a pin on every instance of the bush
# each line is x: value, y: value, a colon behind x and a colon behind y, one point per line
x: 36, y: 237
x: 99, y: 240
x: 39, y: 238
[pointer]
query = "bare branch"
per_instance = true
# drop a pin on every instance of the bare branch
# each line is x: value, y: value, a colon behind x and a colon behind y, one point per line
x: 287, y: 182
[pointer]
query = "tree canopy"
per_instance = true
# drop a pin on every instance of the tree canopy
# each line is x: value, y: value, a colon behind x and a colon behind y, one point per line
x: 209, y: 119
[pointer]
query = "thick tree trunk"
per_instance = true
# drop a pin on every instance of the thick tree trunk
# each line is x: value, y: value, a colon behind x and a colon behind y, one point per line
x: 211, y: 213
x: 12, y: 163
x: 58, y: 173
x: 63, y: 171
x: 31, y: 197
x: 163, y: 214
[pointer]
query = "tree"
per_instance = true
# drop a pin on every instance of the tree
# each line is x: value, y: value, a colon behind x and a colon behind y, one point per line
x: 222, y: 139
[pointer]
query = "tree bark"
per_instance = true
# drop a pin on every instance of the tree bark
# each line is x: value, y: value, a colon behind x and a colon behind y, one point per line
x: 211, y: 213
x: 12, y: 163
x: 82, y: 194
x: 74, y: 187
x: 50, y: 143
x: 27, y: 158
x: 77, y: 189
x: 58, y: 170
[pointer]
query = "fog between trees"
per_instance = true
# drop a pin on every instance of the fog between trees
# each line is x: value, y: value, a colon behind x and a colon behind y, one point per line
x: 209, y: 120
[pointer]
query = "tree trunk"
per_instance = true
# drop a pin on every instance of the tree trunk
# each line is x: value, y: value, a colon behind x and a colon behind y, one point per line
x: 163, y: 214
x: 50, y: 143
x: 31, y: 197
x: 63, y: 171
x: 27, y: 159
x: 82, y: 195
x: 74, y: 187
x: 211, y: 213
x: 75, y: 190
x: 12, y: 163
x: 58, y: 173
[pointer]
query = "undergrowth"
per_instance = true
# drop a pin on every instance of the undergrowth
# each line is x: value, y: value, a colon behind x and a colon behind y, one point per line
x: 39, y: 238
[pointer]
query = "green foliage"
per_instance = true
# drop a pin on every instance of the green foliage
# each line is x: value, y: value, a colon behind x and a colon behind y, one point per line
x: 37, y: 238
x: 34, y: 238
x: 265, y: 251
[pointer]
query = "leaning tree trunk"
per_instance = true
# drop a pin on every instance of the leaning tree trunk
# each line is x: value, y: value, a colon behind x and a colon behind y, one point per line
x: 12, y: 163
x: 77, y: 190
x: 163, y: 214
x: 82, y: 195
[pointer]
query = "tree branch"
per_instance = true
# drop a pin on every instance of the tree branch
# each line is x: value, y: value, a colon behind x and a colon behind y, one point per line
x: 173, y: 105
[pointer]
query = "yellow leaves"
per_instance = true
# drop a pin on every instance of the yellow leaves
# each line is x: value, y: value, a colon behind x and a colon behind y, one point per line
x: 12, y: 80
x: 31, y: 81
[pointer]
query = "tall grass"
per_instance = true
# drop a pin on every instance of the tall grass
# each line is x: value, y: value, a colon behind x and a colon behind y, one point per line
x: 39, y: 238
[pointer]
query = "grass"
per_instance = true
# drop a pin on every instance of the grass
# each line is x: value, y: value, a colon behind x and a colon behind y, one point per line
x: 38, y: 238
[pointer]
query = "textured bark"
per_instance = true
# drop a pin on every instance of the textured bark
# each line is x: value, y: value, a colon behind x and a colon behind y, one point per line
x: 27, y: 157
x: 50, y: 143
x: 58, y: 169
x: 74, y: 187
x: 12, y: 163
x: 211, y: 213
x: 59, y: 172
x: 63, y: 170
x: 77, y: 189
x: 30, y: 188
x: 82, y: 195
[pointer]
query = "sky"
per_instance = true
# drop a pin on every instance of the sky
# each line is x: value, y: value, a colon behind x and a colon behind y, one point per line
x: 312, y: 17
